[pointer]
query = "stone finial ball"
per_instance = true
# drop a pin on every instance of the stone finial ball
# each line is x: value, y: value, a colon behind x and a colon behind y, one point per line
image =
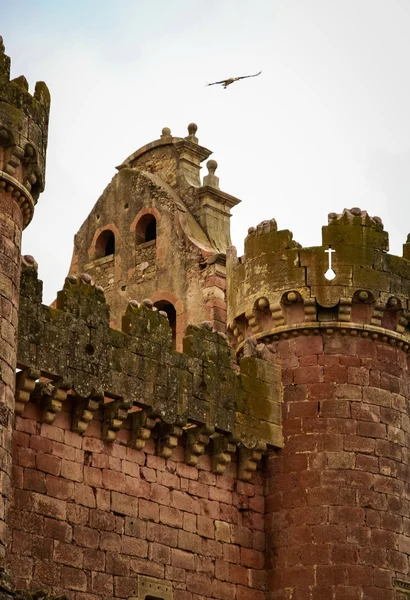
x: 86, y: 278
x: 212, y: 165
x: 378, y: 220
x: 72, y: 279
x: 356, y: 211
x: 29, y: 259
x: 166, y: 131
x: 134, y: 303
x: 192, y: 128
x: 332, y: 216
x: 147, y: 302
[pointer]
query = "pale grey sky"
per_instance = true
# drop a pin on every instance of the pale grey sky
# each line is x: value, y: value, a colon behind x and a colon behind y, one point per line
x: 326, y: 125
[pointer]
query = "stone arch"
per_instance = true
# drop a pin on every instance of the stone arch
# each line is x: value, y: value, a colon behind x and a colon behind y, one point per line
x: 101, y: 237
x: 144, y: 225
x: 164, y: 300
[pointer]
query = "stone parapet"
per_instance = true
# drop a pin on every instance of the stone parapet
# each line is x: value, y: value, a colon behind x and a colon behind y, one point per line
x: 279, y: 288
x: 23, y: 137
x: 139, y: 380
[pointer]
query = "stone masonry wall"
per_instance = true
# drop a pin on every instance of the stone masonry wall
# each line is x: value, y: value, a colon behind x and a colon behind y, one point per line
x: 338, y: 512
x: 11, y: 225
x: 88, y: 517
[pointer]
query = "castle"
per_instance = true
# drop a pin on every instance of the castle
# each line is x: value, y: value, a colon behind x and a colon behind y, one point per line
x: 183, y: 423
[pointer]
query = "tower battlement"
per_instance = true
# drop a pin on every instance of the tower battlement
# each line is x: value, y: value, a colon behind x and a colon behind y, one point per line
x: 279, y: 286
x: 23, y: 137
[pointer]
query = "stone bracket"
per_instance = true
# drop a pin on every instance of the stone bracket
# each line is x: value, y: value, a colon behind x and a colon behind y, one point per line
x: 168, y: 439
x: 142, y: 424
x: 25, y: 385
x: 248, y: 460
x: 197, y: 440
x: 223, y: 448
x: 115, y: 413
x: 84, y: 412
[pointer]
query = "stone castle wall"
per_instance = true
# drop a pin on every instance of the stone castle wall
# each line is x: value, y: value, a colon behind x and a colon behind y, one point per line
x: 88, y: 518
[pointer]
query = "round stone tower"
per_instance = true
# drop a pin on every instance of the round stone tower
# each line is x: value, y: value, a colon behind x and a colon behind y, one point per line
x: 23, y: 140
x: 337, y: 493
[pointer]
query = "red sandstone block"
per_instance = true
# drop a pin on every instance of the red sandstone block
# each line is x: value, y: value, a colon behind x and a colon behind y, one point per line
x: 112, y: 480
x: 58, y: 530
x: 149, y: 475
x: 295, y: 393
x: 135, y: 527
x: 110, y: 541
x: 124, y: 505
x: 198, y: 489
x: 114, y: 464
x: 205, y: 527
x: 72, y: 439
x: 397, y: 561
x: 318, y: 554
x: 335, y: 408
x: 86, y: 537
x: 160, y: 494
x: 374, y: 593
x: 189, y: 522
x: 310, y: 375
x: 77, y: 514
x: 357, y: 534
x: 134, y: 546
x: 358, y: 376
x: 92, y: 476
x: 50, y: 507
x: 94, y: 560
x: 102, y: 583
x: 182, y: 559
x: 349, y: 391
x: 130, y: 468
x: 99, y: 461
x: 210, y: 508
x: 170, y: 516
x: 331, y: 575
x: 175, y: 574
x: 125, y: 587
x: 323, y: 534
x: 68, y: 554
x: 103, y: 499
x: 373, y: 430
x: 310, y: 360
x: 92, y: 444
x: 34, y: 480
x: 222, y: 570
x: 246, y: 593
x: 148, y: 510
x: 252, y: 558
x: 168, y: 479
x: 159, y: 553
x: 335, y: 374
x: 223, y: 590
x: 137, y: 487
x: 308, y: 515
x: 367, y: 463
x: 142, y: 566
x: 183, y: 501
x: 187, y: 471
x: 189, y: 541
x: 341, y: 460
x: 294, y: 463
x: 26, y: 457
x: 359, y: 575
x: 371, y: 499
x: 395, y: 523
x: 355, y: 443
x: 220, y: 495
x: 388, y: 449
x: 52, y: 432
x: 84, y: 494
x: 374, y: 557
x: 307, y: 345
x: 71, y: 470
x: 162, y: 534
x: 47, y: 572
x: 331, y: 496
x: 347, y: 593
x: 117, y: 564
x: 199, y: 584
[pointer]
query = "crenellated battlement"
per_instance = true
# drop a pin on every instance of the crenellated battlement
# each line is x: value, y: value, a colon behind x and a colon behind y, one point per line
x: 278, y: 286
x: 23, y: 137
x: 137, y: 382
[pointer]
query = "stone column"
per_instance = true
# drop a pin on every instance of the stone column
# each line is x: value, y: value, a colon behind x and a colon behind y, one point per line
x: 23, y: 140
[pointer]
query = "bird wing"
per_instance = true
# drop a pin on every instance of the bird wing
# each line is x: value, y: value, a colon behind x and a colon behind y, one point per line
x: 246, y: 76
x: 217, y: 82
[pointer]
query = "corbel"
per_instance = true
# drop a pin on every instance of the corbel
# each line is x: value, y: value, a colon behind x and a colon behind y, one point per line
x: 197, y: 440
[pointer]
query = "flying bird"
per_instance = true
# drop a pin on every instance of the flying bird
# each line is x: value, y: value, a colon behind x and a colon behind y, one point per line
x: 226, y: 82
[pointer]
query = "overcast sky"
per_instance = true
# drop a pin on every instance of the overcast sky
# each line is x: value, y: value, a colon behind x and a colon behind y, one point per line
x: 326, y: 125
